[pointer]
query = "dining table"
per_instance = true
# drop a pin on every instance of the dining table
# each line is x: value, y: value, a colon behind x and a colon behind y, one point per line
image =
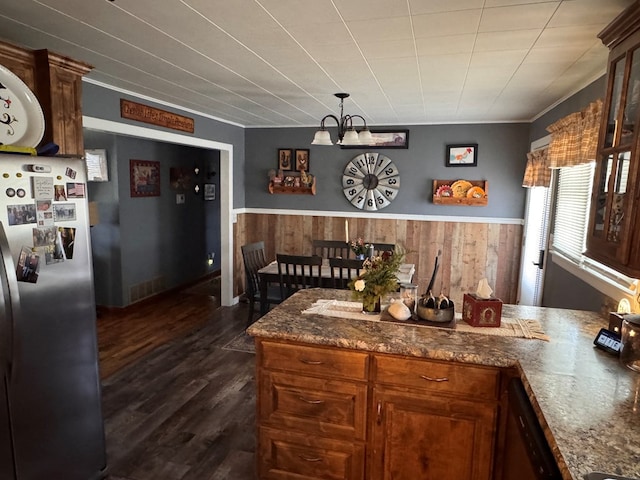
x: 269, y: 274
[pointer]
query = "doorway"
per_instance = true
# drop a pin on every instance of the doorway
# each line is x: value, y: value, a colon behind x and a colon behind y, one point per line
x: 225, y: 194
x: 535, y: 240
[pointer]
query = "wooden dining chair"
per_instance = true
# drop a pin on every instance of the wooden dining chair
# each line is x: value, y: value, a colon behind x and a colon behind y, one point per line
x: 343, y: 270
x: 297, y: 272
x: 380, y: 248
x: 330, y: 248
x: 254, y: 258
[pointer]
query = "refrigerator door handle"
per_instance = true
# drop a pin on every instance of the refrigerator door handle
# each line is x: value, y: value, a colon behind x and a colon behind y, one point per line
x: 9, y: 307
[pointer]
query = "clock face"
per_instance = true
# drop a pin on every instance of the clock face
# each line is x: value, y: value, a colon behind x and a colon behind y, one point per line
x: 370, y: 181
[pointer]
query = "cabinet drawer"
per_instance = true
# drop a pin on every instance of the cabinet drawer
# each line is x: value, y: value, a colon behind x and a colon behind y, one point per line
x: 287, y: 455
x: 315, y: 361
x: 319, y: 406
x: 440, y: 377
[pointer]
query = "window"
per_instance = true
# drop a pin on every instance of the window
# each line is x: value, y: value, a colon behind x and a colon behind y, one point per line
x: 573, y: 196
x: 572, y: 210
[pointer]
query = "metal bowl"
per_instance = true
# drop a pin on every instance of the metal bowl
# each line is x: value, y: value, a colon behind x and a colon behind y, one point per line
x: 441, y: 315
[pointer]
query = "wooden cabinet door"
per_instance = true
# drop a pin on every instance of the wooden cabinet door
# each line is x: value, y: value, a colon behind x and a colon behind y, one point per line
x: 430, y: 437
x: 20, y: 62
x: 59, y: 89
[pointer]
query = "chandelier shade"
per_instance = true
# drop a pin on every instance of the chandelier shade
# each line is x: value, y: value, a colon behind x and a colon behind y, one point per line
x: 347, y: 134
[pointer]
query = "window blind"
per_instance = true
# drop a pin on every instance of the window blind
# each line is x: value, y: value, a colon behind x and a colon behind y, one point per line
x: 572, y: 210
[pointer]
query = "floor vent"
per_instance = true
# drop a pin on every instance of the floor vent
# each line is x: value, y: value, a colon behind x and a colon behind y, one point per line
x: 146, y: 289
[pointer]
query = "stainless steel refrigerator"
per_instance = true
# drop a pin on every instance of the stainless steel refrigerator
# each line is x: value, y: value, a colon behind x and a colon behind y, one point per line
x: 51, y: 423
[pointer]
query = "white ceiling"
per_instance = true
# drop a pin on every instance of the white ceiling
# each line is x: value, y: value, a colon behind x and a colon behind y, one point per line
x: 278, y: 62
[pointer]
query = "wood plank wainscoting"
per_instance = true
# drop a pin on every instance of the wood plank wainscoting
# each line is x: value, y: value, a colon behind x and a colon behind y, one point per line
x: 470, y: 251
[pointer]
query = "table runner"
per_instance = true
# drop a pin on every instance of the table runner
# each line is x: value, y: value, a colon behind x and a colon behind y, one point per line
x: 509, y: 327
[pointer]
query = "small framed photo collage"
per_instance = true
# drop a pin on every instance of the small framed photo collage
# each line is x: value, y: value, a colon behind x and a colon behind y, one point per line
x: 290, y: 159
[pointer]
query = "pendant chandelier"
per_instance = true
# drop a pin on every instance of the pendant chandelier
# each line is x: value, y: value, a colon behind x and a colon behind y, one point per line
x: 347, y: 135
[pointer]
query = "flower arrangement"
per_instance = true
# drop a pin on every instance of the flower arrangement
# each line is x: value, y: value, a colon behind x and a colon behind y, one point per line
x: 378, y: 278
x: 358, y: 247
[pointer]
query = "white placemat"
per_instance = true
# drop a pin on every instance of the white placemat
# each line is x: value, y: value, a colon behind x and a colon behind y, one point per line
x: 509, y: 327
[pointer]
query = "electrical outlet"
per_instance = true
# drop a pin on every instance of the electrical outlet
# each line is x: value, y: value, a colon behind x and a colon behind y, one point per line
x: 179, y: 198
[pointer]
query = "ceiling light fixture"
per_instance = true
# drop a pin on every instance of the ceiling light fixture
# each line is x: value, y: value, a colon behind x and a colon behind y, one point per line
x: 347, y: 135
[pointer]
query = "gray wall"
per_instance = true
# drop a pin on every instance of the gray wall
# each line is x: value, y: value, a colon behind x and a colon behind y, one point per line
x: 573, y: 104
x: 104, y: 103
x: 502, y: 157
x: 502, y: 152
x: 105, y: 237
x: 151, y: 243
x: 561, y: 288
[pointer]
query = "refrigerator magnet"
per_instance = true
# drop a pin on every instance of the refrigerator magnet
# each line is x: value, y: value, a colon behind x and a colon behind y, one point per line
x: 28, y: 265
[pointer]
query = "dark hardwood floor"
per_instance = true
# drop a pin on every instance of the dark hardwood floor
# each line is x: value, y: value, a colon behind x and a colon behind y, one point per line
x: 177, y: 405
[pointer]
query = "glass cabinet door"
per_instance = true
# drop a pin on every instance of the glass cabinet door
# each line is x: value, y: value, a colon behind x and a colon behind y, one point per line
x: 632, y: 97
x: 614, y: 106
x: 613, y: 236
x: 616, y: 214
x: 609, y: 203
x: 600, y: 204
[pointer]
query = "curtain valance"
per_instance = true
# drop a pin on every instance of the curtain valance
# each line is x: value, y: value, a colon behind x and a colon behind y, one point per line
x: 574, y: 138
x: 537, y: 172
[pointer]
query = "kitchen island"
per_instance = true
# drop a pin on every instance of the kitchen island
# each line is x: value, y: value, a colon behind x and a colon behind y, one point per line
x: 587, y: 404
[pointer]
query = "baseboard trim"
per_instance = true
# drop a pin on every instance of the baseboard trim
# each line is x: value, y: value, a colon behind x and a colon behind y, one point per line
x: 111, y: 309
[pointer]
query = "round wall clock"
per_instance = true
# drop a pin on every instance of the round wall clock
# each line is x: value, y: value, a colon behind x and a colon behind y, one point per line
x: 370, y: 181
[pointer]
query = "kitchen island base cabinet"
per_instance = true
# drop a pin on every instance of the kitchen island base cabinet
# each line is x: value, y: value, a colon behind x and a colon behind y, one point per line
x: 432, y: 419
x: 416, y: 436
x: 334, y: 413
x: 312, y: 406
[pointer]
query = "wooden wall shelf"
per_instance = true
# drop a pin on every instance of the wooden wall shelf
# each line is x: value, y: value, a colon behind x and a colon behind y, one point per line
x: 461, y: 201
x: 290, y: 190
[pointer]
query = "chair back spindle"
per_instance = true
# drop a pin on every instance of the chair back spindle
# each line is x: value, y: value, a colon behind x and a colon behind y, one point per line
x: 330, y: 248
x: 343, y: 270
x: 297, y: 272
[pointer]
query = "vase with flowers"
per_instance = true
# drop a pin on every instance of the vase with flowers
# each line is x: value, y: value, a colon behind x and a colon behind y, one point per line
x: 359, y: 248
x: 378, y: 278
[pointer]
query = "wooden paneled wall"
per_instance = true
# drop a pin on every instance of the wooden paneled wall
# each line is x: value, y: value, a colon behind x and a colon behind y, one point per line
x: 469, y: 251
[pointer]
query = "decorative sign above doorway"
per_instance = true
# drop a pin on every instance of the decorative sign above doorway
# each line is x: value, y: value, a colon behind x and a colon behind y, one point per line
x: 155, y: 116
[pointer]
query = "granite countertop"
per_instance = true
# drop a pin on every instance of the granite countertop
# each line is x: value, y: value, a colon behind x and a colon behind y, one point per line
x: 587, y: 403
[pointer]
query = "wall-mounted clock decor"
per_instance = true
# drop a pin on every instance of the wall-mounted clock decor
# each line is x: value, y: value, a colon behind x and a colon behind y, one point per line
x: 370, y: 181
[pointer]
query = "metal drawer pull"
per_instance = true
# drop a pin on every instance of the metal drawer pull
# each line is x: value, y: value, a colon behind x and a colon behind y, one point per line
x: 313, y: 402
x: 310, y: 459
x: 311, y: 362
x: 431, y: 379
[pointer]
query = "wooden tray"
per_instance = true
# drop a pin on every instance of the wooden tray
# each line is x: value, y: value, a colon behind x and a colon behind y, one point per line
x: 461, y: 201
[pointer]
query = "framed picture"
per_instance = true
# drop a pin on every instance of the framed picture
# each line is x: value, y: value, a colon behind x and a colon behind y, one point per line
x: 386, y: 139
x: 302, y: 160
x: 179, y: 178
x: 145, y: 178
x: 463, y: 155
x: 285, y: 160
x: 96, y: 161
x: 209, y: 191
